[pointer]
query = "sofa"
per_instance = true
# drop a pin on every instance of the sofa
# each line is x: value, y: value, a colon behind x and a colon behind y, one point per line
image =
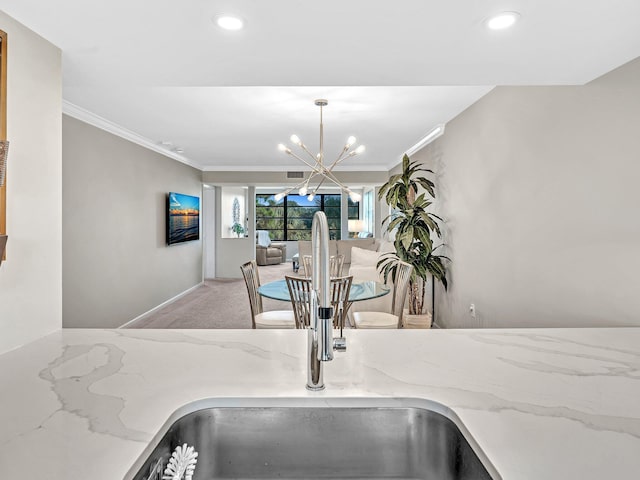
x: 361, y: 264
x: 268, y: 252
x: 341, y: 247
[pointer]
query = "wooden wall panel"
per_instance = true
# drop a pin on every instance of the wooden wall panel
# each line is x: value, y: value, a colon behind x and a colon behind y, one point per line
x: 3, y: 124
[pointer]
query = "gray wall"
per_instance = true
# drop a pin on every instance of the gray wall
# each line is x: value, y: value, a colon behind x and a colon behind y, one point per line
x: 31, y: 276
x: 116, y: 265
x: 231, y: 253
x: 209, y: 232
x: 539, y: 187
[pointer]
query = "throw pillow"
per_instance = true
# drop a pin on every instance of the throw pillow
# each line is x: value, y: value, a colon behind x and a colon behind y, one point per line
x: 364, y: 274
x: 364, y: 258
x: 345, y: 246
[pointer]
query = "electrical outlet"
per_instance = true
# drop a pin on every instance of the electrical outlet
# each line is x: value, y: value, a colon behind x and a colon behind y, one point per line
x: 472, y: 310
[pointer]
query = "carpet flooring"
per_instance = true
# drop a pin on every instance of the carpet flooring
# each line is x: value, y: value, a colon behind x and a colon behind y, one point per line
x: 218, y: 303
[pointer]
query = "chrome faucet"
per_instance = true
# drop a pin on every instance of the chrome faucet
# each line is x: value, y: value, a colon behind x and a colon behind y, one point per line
x: 320, y: 333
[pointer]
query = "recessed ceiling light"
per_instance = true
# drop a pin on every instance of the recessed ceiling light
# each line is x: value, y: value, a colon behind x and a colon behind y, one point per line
x: 229, y: 22
x: 502, y: 20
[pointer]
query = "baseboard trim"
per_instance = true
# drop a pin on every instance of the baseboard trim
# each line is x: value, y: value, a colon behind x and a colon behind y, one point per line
x: 163, y: 304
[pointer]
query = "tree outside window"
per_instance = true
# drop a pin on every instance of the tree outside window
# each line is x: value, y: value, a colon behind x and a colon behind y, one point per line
x: 291, y: 217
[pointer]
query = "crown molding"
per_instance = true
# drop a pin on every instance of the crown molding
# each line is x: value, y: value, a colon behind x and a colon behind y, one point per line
x: 434, y: 133
x: 97, y: 121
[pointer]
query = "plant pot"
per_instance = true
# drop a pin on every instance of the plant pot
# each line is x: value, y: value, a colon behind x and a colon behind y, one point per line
x: 416, y: 321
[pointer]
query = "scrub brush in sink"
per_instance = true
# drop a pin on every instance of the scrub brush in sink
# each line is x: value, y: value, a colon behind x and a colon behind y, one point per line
x: 181, y: 464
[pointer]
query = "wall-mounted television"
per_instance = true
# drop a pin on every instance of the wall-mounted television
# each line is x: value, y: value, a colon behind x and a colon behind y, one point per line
x: 183, y: 218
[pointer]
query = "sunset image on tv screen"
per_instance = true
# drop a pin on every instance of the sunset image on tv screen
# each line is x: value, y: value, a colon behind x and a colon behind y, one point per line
x: 184, y: 218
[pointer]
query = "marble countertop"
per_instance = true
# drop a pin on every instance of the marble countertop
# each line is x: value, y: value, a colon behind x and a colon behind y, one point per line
x: 540, y: 403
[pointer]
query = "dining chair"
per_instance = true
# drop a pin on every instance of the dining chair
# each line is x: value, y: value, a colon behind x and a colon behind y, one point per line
x: 394, y: 318
x: 260, y: 318
x: 301, y: 293
x: 335, y: 265
x: 340, y: 288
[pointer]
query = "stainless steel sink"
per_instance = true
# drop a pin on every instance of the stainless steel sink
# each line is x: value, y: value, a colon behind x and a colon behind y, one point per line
x: 319, y: 439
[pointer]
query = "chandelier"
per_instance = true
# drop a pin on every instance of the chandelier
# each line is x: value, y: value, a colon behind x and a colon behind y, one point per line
x: 320, y: 170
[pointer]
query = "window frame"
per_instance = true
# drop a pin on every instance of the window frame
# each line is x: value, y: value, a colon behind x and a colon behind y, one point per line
x: 334, y: 233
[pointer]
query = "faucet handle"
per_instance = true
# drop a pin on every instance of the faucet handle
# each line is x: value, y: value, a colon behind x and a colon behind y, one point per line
x: 340, y: 344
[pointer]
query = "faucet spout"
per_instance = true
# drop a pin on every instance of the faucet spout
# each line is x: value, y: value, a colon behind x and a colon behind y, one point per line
x: 320, y: 333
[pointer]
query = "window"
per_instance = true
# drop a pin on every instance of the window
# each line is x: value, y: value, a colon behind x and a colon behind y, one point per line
x: 354, y: 210
x: 291, y: 218
x: 270, y: 216
x: 368, y: 211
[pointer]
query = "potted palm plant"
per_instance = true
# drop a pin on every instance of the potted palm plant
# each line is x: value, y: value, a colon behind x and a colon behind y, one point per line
x: 415, y: 228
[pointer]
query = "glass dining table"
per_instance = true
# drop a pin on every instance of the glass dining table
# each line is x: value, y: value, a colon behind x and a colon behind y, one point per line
x: 278, y: 290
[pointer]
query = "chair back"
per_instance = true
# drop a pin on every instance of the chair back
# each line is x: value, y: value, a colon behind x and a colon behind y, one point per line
x: 306, y: 265
x: 335, y: 265
x: 400, y: 286
x: 262, y: 238
x: 340, y: 288
x: 301, y: 293
x: 252, y: 280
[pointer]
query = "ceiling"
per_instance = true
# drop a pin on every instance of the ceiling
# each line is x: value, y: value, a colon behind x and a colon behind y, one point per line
x: 390, y: 70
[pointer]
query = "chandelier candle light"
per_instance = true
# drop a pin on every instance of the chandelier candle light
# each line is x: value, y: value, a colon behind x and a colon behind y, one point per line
x: 319, y: 169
